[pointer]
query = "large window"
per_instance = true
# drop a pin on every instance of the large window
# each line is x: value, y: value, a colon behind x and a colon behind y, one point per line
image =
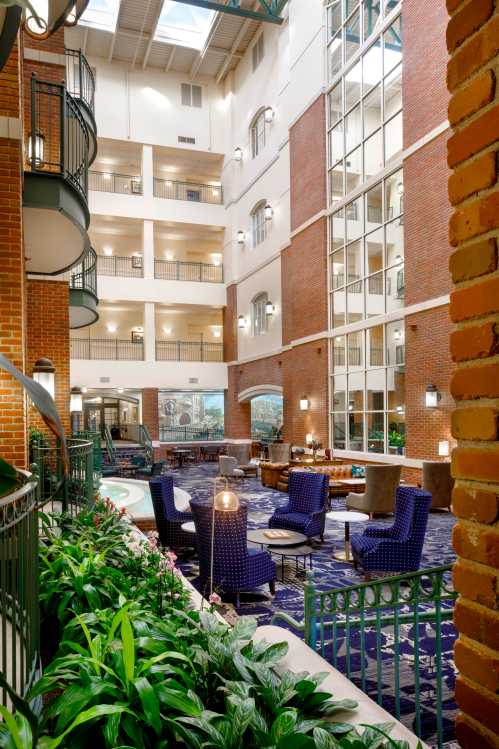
x: 366, y: 254
x: 258, y: 133
x: 189, y: 415
x: 259, y: 314
x: 258, y: 224
x: 365, y: 109
x: 368, y: 390
x: 266, y: 417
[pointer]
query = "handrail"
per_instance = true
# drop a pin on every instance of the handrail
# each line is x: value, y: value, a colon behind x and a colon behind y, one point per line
x: 191, y: 434
x: 193, y: 192
x: 122, y: 184
x: 84, y: 275
x: 346, y: 625
x: 59, y: 138
x: 125, y: 267
x: 19, y: 602
x: 80, y: 80
x: 189, y: 351
x: 68, y: 492
x: 183, y: 270
x: 106, y: 433
x: 146, y: 441
x: 106, y: 349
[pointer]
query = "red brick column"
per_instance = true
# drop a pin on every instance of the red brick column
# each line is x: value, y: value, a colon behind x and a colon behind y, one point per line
x: 12, y: 285
x: 473, y: 43
x: 47, y: 336
x: 150, y: 414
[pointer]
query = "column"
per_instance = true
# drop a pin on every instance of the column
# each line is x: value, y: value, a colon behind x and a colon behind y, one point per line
x: 147, y: 172
x: 149, y: 332
x: 148, y: 249
x: 472, y: 36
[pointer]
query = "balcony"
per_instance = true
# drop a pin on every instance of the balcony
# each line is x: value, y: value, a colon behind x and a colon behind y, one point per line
x: 193, y: 192
x: 178, y: 270
x: 55, y: 208
x: 83, y: 298
x: 119, y: 184
x: 112, y: 349
x: 123, y: 267
x: 193, y: 351
x: 80, y: 83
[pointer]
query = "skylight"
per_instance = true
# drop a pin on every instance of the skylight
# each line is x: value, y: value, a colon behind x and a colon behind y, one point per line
x: 184, y: 25
x: 101, y: 14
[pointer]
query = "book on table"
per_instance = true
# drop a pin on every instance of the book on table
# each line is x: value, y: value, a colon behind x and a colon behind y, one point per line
x: 276, y: 534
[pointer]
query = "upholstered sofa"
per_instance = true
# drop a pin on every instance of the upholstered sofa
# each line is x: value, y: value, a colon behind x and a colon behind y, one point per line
x: 335, y: 471
x: 437, y: 480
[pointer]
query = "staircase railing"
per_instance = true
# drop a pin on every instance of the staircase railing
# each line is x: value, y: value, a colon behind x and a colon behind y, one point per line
x: 369, y: 631
x: 106, y: 433
x: 96, y: 440
x: 145, y: 440
x: 55, y: 490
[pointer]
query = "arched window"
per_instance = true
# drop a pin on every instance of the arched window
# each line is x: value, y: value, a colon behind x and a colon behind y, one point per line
x: 259, y: 313
x: 258, y: 224
x: 258, y: 133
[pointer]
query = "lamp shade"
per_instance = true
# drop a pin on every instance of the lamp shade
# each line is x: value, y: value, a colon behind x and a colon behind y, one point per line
x: 269, y: 212
x: 226, y: 501
x: 241, y: 321
x: 269, y: 308
x: 240, y: 237
x: 76, y: 401
x: 269, y: 114
x: 444, y: 448
x: 238, y: 154
x: 304, y: 403
x: 36, y: 148
x: 44, y: 374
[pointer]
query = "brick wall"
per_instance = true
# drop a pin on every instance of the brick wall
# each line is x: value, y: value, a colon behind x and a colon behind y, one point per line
x: 473, y: 43
x: 304, y: 283
x: 47, y: 335
x: 266, y: 371
x: 230, y: 324
x: 305, y: 372
x: 12, y: 284
x: 425, y: 60
x: 55, y: 42
x: 307, y: 151
x: 150, y: 416
x: 428, y: 362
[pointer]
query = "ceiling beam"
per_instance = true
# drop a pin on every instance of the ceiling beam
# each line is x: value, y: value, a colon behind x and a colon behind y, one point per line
x: 85, y: 40
x: 202, y: 53
x: 268, y: 13
x: 113, y: 36
x: 153, y: 34
x: 170, y: 59
x: 141, y: 35
x: 235, y: 44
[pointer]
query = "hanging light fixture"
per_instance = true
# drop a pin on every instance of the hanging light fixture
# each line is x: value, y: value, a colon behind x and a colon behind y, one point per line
x: 50, y: 15
x: 44, y: 374
x: 238, y: 154
x: 269, y: 212
x: 36, y: 148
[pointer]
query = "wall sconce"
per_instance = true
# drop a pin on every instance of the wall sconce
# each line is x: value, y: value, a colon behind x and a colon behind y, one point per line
x: 138, y: 329
x: 111, y: 327
x: 432, y: 396
x: 444, y: 448
x: 268, y: 115
x: 304, y: 403
x: 108, y: 251
x: 44, y: 374
x: 215, y: 192
x: 397, y: 335
x: 107, y: 177
x: 268, y: 212
x: 241, y: 237
x: 398, y: 259
x: 169, y: 256
x: 241, y: 321
x: 238, y: 154
x: 400, y: 188
x: 36, y: 149
x: 167, y: 330
x: 269, y: 308
x: 216, y: 258
x: 309, y: 438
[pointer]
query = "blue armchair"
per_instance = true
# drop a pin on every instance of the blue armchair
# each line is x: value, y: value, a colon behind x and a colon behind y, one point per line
x: 306, y: 509
x: 399, y: 547
x: 168, y: 519
x: 236, y: 568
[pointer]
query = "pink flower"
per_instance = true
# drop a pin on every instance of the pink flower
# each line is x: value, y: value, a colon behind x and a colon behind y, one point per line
x: 170, y: 565
x: 176, y: 572
x: 171, y: 555
x: 215, y: 599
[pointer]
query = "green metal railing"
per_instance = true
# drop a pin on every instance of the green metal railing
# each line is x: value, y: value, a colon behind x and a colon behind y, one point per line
x: 19, y: 609
x: 55, y: 490
x: 95, y: 439
x: 146, y: 442
x: 84, y: 275
x: 349, y: 625
x: 111, y: 454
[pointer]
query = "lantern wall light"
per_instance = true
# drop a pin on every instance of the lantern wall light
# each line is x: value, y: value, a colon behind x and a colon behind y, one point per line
x: 238, y: 154
x: 241, y: 322
x: 443, y: 448
x: 432, y: 396
x: 304, y: 403
x: 44, y: 374
x: 269, y: 115
x: 269, y: 212
x: 241, y: 237
x: 269, y: 308
x: 36, y: 148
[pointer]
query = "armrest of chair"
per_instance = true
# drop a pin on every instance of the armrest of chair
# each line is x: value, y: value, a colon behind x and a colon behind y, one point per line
x: 377, y: 532
x: 318, y: 513
x: 282, y: 510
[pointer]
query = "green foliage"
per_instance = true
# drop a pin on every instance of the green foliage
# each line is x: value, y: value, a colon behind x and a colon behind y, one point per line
x: 9, y: 480
x: 137, y: 667
x: 395, y: 439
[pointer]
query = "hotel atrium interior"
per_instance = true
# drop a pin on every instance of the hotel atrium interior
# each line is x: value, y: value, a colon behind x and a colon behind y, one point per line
x: 249, y: 374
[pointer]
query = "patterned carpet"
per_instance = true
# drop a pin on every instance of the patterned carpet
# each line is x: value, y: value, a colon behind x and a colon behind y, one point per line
x: 328, y: 573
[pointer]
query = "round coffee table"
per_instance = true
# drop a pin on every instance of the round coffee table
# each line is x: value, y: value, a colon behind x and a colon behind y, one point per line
x: 347, y: 517
x: 292, y: 552
x: 259, y: 537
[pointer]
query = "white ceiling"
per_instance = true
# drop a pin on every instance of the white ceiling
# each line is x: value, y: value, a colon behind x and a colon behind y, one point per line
x: 133, y: 41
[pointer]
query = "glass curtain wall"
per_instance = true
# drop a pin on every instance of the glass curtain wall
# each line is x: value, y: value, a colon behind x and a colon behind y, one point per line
x: 366, y: 225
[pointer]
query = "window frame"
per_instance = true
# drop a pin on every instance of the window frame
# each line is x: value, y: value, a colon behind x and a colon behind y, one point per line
x: 258, y: 224
x: 259, y: 317
x: 191, y: 103
x: 258, y: 133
